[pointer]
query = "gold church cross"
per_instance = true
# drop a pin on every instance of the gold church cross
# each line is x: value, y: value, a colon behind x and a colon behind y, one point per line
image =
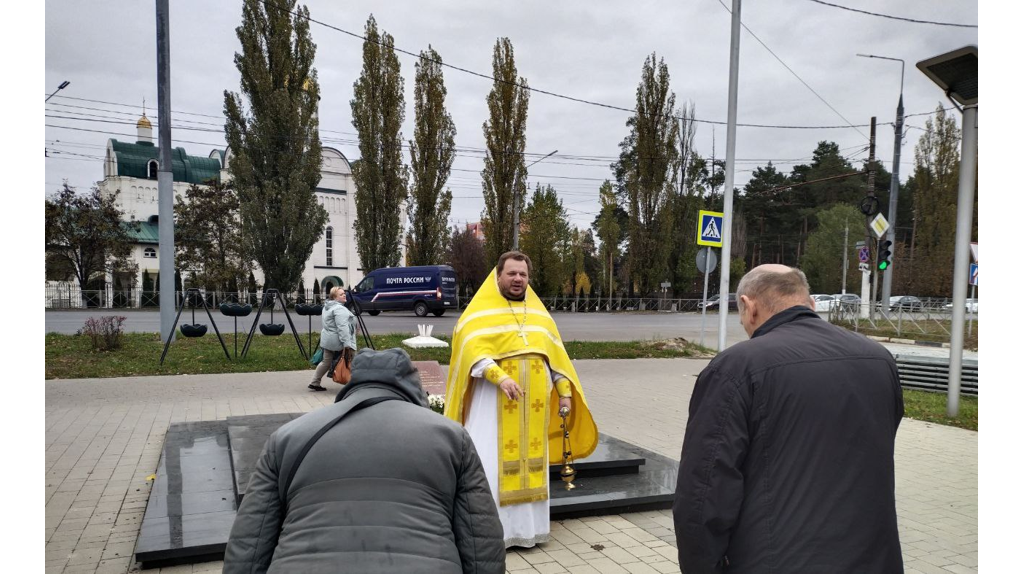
x: 511, y: 406
x: 537, y: 405
x: 537, y: 367
x: 536, y: 444
x: 511, y: 446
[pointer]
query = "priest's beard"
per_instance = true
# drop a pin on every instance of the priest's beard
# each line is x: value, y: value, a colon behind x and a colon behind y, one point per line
x: 505, y: 293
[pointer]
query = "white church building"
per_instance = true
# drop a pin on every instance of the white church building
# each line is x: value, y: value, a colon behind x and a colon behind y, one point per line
x: 131, y: 168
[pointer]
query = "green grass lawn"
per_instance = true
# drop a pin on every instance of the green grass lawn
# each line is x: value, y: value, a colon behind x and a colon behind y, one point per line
x: 931, y: 407
x: 72, y: 356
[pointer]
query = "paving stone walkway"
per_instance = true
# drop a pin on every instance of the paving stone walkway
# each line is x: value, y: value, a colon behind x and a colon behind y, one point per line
x: 104, y: 438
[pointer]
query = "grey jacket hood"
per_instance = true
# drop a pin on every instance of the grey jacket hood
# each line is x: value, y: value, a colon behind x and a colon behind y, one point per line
x: 390, y: 369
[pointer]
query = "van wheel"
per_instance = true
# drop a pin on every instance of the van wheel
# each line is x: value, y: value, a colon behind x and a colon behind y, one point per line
x: 420, y: 308
x: 439, y: 312
x: 373, y: 313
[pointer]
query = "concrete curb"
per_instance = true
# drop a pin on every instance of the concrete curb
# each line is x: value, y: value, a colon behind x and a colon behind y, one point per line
x: 908, y: 342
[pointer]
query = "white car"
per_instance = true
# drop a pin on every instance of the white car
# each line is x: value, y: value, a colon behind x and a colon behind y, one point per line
x: 823, y: 303
x: 970, y: 305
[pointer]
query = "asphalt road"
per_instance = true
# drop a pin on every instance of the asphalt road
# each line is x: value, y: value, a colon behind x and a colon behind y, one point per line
x: 572, y: 326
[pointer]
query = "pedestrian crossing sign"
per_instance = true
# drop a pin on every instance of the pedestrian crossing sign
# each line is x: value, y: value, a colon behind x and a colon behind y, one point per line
x: 709, y: 228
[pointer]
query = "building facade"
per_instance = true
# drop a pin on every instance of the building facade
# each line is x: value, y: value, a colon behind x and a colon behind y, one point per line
x: 131, y: 170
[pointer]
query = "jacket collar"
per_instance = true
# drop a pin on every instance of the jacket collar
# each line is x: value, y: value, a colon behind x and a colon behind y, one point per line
x: 797, y: 312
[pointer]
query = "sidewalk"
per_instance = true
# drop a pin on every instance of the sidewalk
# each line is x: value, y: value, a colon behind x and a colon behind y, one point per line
x: 104, y: 437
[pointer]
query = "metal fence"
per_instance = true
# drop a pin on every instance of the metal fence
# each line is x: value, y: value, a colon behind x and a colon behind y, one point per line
x: 73, y: 298
x: 932, y: 318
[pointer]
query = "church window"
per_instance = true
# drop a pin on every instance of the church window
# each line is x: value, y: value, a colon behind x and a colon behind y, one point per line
x: 151, y: 169
x: 330, y: 246
x: 149, y: 253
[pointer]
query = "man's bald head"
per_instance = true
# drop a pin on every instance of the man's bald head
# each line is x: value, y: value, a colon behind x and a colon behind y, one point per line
x: 774, y: 287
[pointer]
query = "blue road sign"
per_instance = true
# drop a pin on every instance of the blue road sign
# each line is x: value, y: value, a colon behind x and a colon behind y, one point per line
x: 709, y: 228
x: 864, y: 254
x: 974, y: 274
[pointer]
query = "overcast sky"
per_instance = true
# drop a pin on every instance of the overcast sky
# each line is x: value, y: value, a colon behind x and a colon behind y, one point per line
x: 588, y: 50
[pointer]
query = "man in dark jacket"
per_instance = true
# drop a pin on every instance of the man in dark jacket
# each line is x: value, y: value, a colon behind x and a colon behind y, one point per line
x: 787, y: 461
x: 391, y: 487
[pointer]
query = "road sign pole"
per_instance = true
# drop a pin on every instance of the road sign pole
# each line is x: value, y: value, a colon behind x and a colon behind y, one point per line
x: 704, y: 306
x: 865, y: 291
x: 970, y: 320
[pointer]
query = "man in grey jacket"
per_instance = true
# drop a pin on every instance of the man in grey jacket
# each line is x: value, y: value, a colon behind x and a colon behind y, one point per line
x: 389, y: 486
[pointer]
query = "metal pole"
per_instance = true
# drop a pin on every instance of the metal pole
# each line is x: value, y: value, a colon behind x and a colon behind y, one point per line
x: 730, y: 162
x: 515, y: 220
x: 970, y: 320
x: 704, y: 305
x: 894, y: 185
x: 846, y: 250
x: 868, y: 237
x: 961, y: 254
x: 164, y: 177
x: 894, y: 195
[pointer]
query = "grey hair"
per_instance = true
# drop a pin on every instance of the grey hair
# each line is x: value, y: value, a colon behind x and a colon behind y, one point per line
x: 776, y: 290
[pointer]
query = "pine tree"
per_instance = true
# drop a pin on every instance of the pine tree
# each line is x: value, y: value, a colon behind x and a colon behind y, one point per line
x: 276, y: 153
x: 432, y: 151
x: 547, y: 240
x: 378, y: 110
x: 504, y: 173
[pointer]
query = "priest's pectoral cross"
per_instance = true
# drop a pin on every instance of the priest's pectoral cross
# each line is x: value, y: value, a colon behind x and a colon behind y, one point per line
x: 523, y: 335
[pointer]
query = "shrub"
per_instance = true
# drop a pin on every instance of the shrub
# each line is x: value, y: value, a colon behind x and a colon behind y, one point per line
x: 105, y: 332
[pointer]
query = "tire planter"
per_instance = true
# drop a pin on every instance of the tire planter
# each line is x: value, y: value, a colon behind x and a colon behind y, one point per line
x: 271, y: 329
x: 235, y: 309
x: 193, y: 330
x: 308, y: 310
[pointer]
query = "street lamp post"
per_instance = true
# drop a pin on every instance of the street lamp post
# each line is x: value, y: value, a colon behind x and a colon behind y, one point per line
x: 956, y: 73
x: 894, y: 184
x: 62, y: 85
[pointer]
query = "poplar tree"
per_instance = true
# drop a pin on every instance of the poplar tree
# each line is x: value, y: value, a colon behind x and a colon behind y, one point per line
x: 504, y: 173
x: 432, y: 150
x: 378, y: 110
x: 275, y: 144
x: 648, y: 173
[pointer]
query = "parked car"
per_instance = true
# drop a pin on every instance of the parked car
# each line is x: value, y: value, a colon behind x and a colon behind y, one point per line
x: 425, y: 289
x: 905, y: 302
x: 713, y: 302
x: 971, y: 305
x: 823, y: 303
x: 848, y: 302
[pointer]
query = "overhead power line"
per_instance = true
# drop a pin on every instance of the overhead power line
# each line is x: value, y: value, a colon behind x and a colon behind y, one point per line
x: 912, y: 20
x: 271, y: 4
x: 795, y: 75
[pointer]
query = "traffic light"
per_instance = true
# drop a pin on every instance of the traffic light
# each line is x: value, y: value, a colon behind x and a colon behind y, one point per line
x: 884, y: 255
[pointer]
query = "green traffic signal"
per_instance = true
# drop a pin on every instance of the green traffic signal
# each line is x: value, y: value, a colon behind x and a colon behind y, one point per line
x: 884, y: 255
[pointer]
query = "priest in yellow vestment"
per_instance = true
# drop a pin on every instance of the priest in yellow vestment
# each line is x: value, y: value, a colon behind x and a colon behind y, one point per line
x: 508, y: 377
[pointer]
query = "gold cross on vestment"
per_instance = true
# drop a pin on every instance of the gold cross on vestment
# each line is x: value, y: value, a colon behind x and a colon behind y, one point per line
x: 536, y: 444
x: 537, y: 405
x: 536, y: 366
x: 511, y: 446
x: 511, y: 406
x: 523, y: 335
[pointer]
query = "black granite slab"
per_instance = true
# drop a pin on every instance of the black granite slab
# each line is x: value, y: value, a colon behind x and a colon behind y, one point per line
x: 652, y: 487
x: 247, y: 435
x: 191, y: 505
x: 205, y: 468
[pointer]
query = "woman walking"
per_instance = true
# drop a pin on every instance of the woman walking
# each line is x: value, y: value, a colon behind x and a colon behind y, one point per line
x: 338, y: 335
